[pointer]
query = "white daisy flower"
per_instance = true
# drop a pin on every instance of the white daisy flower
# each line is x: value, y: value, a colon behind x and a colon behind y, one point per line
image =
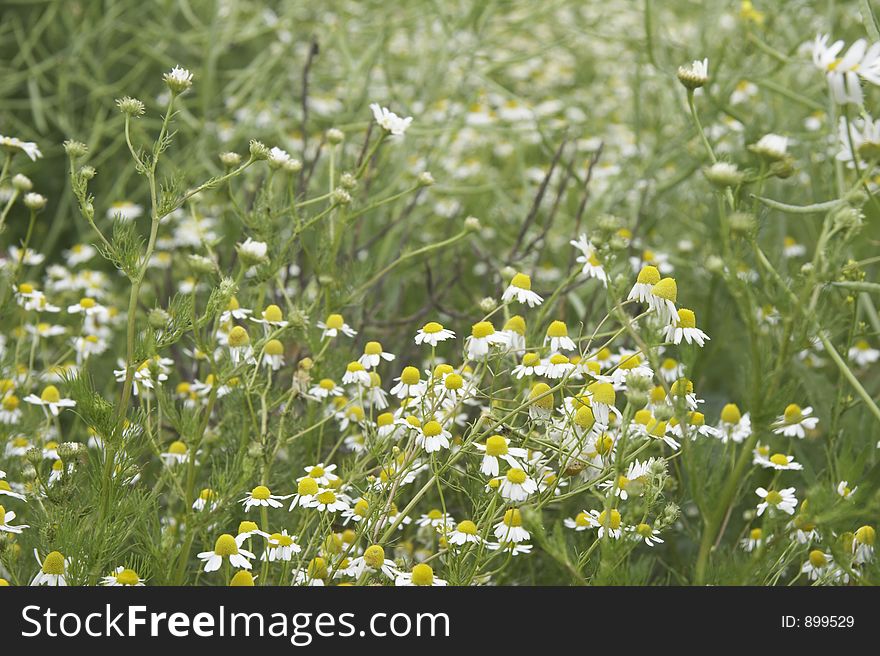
x: 355, y: 374
x: 7, y: 516
x: 432, y: 333
x: 373, y: 355
x: 685, y: 328
x: 844, y: 490
x: 557, y: 336
x: 482, y: 336
x: 390, y: 121
x: 498, y: 448
x: 123, y: 577
x: 795, y: 421
x: 281, y: 547
x: 862, y: 354
x: 334, y: 325
x: 520, y: 288
x: 641, y: 290
x: 783, y: 500
x: 510, y: 528
x: 53, y: 569
x: 433, y: 437
x: 516, y: 485
x: 50, y: 398
x: 262, y: 497
x: 226, y: 547
x: 465, y: 533
x: 843, y: 73
x: 421, y: 575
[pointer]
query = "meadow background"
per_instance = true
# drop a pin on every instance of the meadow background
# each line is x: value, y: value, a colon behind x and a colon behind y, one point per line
x: 541, y: 120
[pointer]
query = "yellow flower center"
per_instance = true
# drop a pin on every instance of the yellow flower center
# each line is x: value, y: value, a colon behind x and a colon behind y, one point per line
x: 242, y: 579
x: 865, y: 535
x: 773, y: 498
x: 516, y: 324
x: 10, y: 402
x: 779, y: 459
x: 374, y: 556
x: 410, y: 376
x: 649, y: 275
x: 317, y: 568
x: 434, y: 514
x: 539, y: 390
x: 614, y: 522
x: 432, y: 429
x: 582, y: 519
x: 178, y: 448
x: 666, y: 289
x: 730, y: 414
x: 482, y: 329
x: 454, y: 382
x: 558, y: 358
x: 206, y: 494
x: 274, y: 347
x: 247, y: 527
x: 281, y: 540
x: 422, y: 574
x: 793, y: 414
x: 385, y: 419
x: 87, y: 303
x: 644, y: 530
x: 602, y: 393
x: 687, y: 318
x: 54, y: 563
x: 307, y: 487
x: 327, y: 497
x: 260, y: 493
x: 630, y: 362
x: 513, y: 517
x: 334, y: 321
x: 50, y: 394
x: 496, y: 446
x: 326, y: 384
x: 373, y: 348
x: 756, y: 533
x: 273, y: 313
x: 522, y: 281
x: 225, y: 546
x: 25, y: 288
x: 584, y: 417
x: 238, y: 337
x: 354, y: 366
x: 817, y: 558
x: 557, y: 329
x: 531, y: 360
x: 127, y: 577
x: 467, y: 527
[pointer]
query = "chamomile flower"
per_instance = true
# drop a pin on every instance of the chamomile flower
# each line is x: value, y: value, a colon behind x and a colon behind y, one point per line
x: 580, y: 522
x: 510, y: 528
x: 531, y: 364
x: 79, y: 254
x: 607, y: 521
x: 325, y: 389
x: 263, y: 497
x: 307, y: 490
x: 420, y: 575
x: 271, y: 317
x: 125, y: 210
x: 685, y: 328
x: 694, y: 75
x: 646, y: 533
x: 437, y: 520
x: 433, y: 437
x: 432, y: 333
x: 498, y: 448
x: 557, y: 336
x: 7, y: 516
x: 240, y: 349
x: 123, y: 577
x: 253, y: 252
x: 234, y: 311
x: 591, y: 266
x: 207, y: 499
x: 753, y: 540
x: 14, y: 144
x: 177, y: 454
x: 482, y: 336
x: 328, y: 501
x: 10, y: 413
x: 409, y: 384
x: 389, y: 121
x: 863, y: 544
x: 633, y: 482
x: 514, y: 334
x: 844, y: 490
x: 373, y: 560
x: 540, y: 398
x: 734, y: 425
x: 273, y: 354
x: 795, y: 421
x: 862, y: 354
x: 53, y: 569
x: 335, y: 324
x: 817, y: 565
x: 281, y: 546
x: 373, y: 355
x: 556, y: 366
x: 778, y: 461
x: 51, y: 400
x: 226, y: 547
x: 843, y: 73
x: 465, y: 533
x: 520, y: 288
x: 664, y: 294
x: 641, y: 290
x: 783, y: 500
x: 355, y: 374
x: 516, y: 485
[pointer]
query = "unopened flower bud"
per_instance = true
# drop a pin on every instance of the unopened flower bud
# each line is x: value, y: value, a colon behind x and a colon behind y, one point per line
x: 158, y: 318
x: 347, y: 181
x: 258, y: 149
x: 488, y: 304
x: 335, y: 136
x: 340, y: 196
x: 34, y: 201
x: 75, y: 149
x: 472, y: 224
x: 230, y: 160
x: 131, y: 106
x: 425, y: 179
x: 22, y: 182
